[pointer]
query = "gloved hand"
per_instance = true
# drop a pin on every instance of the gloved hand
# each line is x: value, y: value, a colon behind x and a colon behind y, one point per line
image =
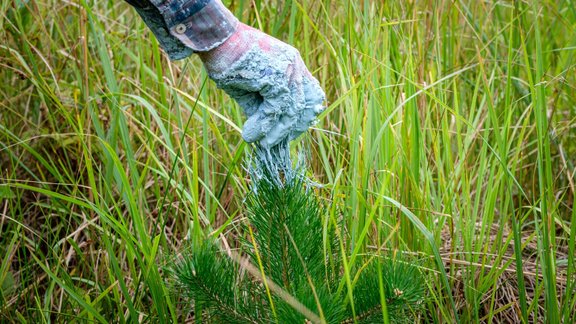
x: 269, y: 81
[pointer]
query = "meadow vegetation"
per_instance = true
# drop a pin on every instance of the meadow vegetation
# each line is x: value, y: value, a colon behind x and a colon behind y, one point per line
x: 449, y: 139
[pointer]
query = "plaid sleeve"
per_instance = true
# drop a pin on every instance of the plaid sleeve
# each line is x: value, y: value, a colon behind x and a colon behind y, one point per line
x: 186, y: 26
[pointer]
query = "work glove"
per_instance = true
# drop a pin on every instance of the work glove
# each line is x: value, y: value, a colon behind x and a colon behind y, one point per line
x: 271, y: 83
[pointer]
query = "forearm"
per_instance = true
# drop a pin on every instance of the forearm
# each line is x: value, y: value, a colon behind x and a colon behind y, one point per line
x: 183, y: 27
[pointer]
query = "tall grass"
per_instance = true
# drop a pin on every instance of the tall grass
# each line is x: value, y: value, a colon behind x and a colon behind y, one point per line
x: 450, y: 134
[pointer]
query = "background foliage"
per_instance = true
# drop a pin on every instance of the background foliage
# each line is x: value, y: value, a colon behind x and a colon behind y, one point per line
x: 450, y: 135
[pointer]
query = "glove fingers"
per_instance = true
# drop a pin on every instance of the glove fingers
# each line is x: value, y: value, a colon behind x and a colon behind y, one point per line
x: 272, y: 122
x: 293, y: 105
x: 248, y: 101
x: 314, y: 94
x: 258, y: 125
x: 313, y: 105
x: 268, y: 116
x: 279, y: 132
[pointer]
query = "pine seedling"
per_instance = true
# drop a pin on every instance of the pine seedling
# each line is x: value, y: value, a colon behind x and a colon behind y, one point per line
x: 284, y: 237
x: 403, y: 289
x: 214, y: 283
x: 286, y: 218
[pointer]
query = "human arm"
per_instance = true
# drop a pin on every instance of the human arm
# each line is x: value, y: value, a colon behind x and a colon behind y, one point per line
x: 264, y: 75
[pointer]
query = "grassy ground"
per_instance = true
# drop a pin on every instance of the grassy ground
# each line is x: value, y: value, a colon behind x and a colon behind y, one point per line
x: 450, y: 135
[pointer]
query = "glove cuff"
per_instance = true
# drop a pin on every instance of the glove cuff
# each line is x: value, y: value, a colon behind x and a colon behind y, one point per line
x: 223, y: 57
